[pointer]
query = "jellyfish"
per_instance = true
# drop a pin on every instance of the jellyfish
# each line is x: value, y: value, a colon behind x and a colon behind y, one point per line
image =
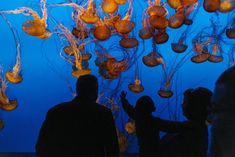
x: 230, y: 31
x: 89, y: 15
x: 130, y: 127
x: 128, y: 42
x: 180, y: 46
x: 80, y: 31
x: 211, y: 5
x: 226, y: 5
x: 111, y: 20
x: 157, y: 9
x: 165, y: 89
x: 177, y: 20
x: 14, y: 76
x: 109, y: 6
x: 5, y: 103
x: 78, y: 69
x: 215, y: 56
x: 161, y: 36
x: 201, y: 50
x: 102, y: 32
x: 188, y: 9
x: 154, y: 58
x: 146, y: 32
x: 120, y: 2
x: 175, y: 4
x: 158, y: 22
x: 125, y: 25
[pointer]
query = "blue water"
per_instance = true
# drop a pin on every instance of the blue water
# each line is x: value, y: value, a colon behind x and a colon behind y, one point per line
x: 47, y: 77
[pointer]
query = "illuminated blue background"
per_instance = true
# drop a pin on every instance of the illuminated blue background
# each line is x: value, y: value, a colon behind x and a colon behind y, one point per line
x: 47, y: 76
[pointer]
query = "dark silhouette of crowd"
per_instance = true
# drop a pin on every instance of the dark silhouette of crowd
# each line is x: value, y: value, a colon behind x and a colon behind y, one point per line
x: 84, y: 128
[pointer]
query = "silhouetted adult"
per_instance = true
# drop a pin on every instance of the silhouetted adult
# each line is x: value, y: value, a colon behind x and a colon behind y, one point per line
x: 148, y: 126
x: 192, y: 142
x: 223, y: 107
x: 79, y: 128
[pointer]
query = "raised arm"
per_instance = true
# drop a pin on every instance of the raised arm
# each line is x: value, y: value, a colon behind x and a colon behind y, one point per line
x: 173, y: 126
x: 128, y: 108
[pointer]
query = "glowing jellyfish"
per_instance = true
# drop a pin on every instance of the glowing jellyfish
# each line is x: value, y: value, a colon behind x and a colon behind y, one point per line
x: 122, y: 141
x: 174, y: 3
x: 1, y: 124
x: 180, y: 46
x: 102, y: 32
x: 158, y: 22
x: 129, y: 42
x: 109, y: 6
x: 215, y: 56
x: 80, y: 33
x: 5, y: 103
x: 130, y: 127
x: 188, y: 9
x: 125, y: 25
x: 89, y: 15
x: 14, y: 76
x: 211, y: 5
x: 111, y: 20
x: 157, y: 9
x: 146, y: 32
x: 136, y: 87
x: 161, y: 37
x: 201, y: 51
x: 120, y: 2
x: 154, y: 58
x: 230, y: 31
x: 177, y: 20
x: 226, y: 5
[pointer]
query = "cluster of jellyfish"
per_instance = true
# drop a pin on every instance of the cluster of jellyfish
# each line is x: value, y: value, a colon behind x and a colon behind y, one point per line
x: 95, y: 27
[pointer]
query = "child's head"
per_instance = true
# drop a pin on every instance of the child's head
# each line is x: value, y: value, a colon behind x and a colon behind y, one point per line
x: 145, y: 105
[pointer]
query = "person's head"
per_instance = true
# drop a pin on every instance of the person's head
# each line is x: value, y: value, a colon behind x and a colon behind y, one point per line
x: 223, y: 98
x: 87, y: 88
x: 145, y: 106
x: 196, y: 103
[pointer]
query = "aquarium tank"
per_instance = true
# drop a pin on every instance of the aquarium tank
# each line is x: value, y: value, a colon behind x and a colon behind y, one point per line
x: 157, y: 48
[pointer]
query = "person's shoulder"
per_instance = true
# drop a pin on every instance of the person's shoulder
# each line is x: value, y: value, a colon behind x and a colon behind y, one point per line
x: 102, y: 108
x: 60, y: 107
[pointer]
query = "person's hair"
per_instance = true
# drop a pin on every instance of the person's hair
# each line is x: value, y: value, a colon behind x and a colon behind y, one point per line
x: 227, y: 77
x: 87, y: 88
x: 145, y: 105
x: 198, y: 102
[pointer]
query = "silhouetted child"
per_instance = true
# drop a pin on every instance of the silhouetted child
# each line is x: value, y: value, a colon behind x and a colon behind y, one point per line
x: 79, y: 128
x: 148, y: 126
x: 191, y: 142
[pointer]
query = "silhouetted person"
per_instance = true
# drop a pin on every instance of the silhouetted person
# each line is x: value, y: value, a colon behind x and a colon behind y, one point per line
x: 223, y: 107
x: 148, y: 126
x: 79, y: 128
x: 192, y: 142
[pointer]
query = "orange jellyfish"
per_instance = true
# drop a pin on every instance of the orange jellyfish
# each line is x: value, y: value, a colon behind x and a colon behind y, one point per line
x: 201, y: 50
x: 188, y: 9
x: 102, y: 32
x: 137, y: 86
x: 125, y: 25
x: 130, y: 127
x: 175, y: 3
x: 89, y: 15
x: 154, y: 58
x: 78, y: 69
x: 80, y: 31
x: 177, y: 20
x: 1, y: 124
x: 120, y: 2
x: 226, y: 6
x: 180, y: 46
x: 146, y: 32
x: 230, y: 31
x: 109, y: 6
x: 5, y: 103
x: 128, y: 42
x: 158, y: 22
x: 215, y: 56
x: 161, y: 36
x: 165, y: 89
x: 211, y: 5
x: 111, y: 20
x: 157, y: 10
x: 14, y: 76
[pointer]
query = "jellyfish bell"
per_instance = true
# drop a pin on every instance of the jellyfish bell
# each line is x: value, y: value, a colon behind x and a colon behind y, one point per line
x: 136, y: 87
x: 215, y: 59
x: 86, y: 56
x: 178, y: 47
x: 165, y: 93
x: 161, y: 37
x: 102, y: 32
x: 109, y: 6
x: 174, y: 3
x: 124, y: 26
x: 152, y: 59
x: 69, y: 50
x: 146, y: 33
x: 111, y: 20
x: 10, y: 105
x: 130, y: 127
x: 46, y: 35
x: 200, y: 58
x: 158, y: 22
x: 77, y: 73
x: 211, y: 5
x: 81, y: 34
x: 226, y: 6
x: 129, y: 42
x: 12, y: 77
x: 34, y: 27
x: 230, y: 33
x: 176, y: 20
x: 89, y: 18
x: 157, y: 11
